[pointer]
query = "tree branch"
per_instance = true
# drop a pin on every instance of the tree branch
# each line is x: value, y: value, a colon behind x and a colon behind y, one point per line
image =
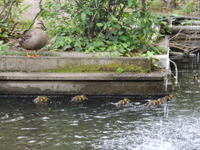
x: 78, y: 4
x: 122, y: 10
x: 13, y: 28
x: 5, y: 5
x: 8, y: 13
x: 113, y: 12
x: 40, y: 6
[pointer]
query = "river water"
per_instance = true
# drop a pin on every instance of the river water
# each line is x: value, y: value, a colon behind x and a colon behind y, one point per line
x: 99, y: 124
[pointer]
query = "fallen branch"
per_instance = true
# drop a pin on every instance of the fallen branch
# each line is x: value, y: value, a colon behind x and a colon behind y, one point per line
x: 176, y: 34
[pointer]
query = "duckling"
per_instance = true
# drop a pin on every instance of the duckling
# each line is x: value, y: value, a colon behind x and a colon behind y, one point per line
x: 168, y: 98
x: 33, y: 40
x: 79, y: 98
x: 123, y: 102
x: 41, y: 99
x: 194, y: 79
x: 155, y: 103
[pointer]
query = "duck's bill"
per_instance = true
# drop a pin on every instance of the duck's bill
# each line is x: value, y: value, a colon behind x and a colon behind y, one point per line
x: 44, y: 27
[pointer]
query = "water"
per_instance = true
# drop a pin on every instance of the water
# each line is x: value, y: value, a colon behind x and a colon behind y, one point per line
x: 99, y: 124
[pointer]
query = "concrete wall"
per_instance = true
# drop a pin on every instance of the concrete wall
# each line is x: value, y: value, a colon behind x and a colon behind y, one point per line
x: 85, y: 83
x: 75, y: 64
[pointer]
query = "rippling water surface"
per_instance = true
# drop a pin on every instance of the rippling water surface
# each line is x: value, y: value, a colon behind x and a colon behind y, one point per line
x: 99, y: 124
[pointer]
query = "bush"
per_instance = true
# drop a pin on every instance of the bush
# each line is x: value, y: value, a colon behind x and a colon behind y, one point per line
x: 9, y: 13
x: 99, y: 26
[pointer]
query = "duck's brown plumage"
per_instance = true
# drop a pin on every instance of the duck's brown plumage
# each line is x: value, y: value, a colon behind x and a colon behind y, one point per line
x: 33, y: 40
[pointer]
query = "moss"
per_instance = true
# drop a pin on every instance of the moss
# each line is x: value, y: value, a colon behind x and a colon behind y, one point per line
x: 101, y: 68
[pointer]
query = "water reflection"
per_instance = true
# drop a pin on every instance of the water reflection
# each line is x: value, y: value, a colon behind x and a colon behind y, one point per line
x: 99, y: 124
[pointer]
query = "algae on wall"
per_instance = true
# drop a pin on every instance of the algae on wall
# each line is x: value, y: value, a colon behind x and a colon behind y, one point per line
x: 103, y: 65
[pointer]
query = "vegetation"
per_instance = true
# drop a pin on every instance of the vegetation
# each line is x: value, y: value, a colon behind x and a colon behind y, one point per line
x: 9, y: 14
x: 125, y: 26
x: 99, y: 26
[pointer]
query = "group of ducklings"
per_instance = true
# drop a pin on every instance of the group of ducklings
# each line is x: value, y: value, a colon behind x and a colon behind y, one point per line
x: 76, y: 99
x: 150, y: 104
x: 82, y: 98
x: 160, y: 101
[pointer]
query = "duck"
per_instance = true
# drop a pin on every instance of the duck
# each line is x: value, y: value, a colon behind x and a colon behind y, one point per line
x: 33, y: 40
x: 123, y: 102
x: 155, y: 103
x: 194, y: 79
x: 79, y: 98
x: 41, y: 99
x: 168, y: 98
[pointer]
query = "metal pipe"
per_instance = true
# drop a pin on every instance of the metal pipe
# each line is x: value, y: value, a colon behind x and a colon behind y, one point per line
x: 176, y: 70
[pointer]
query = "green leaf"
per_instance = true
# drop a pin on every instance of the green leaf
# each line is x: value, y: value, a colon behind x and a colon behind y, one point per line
x: 120, y: 70
x: 67, y: 47
x: 99, y: 24
x: 53, y: 39
x: 100, y: 55
x: 25, y: 8
x: 5, y: 35
x: 99, y: 43
x: 87, y: 51
x: 83, y: 16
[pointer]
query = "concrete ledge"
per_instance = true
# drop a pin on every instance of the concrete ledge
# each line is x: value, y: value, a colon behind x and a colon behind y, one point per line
x: 75, y: 64
x: 88, y: 83
x: 35, y: 76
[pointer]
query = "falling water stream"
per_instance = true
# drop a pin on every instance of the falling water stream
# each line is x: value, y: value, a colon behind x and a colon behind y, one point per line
x: 99, y: 124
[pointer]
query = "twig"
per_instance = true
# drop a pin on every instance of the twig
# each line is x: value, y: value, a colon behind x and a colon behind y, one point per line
x: 122, y: 10
x: 8, y: 13
x: 78, y: 4
x: 176, y: 34
x: 117, y: 3
x: 171, y: 45
x: 98, y: 36
x: 40, y: 6
x: 148, y: 48
x: 13, y: 28
x: 5, y: 5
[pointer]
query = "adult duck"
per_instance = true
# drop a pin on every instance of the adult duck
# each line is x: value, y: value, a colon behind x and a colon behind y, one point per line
x: 34, y: 40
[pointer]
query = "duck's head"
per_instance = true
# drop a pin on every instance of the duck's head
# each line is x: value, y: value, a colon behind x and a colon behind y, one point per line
x: 39, y: 24
x: 84, y: 97
x: 126, y: 100
x: 171, y: 96
x: 45, y: 98
x: 160, y: 101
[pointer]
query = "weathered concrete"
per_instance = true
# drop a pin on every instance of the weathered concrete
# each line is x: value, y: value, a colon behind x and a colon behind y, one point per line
x: 88, y: 83
x: 75, y: 64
